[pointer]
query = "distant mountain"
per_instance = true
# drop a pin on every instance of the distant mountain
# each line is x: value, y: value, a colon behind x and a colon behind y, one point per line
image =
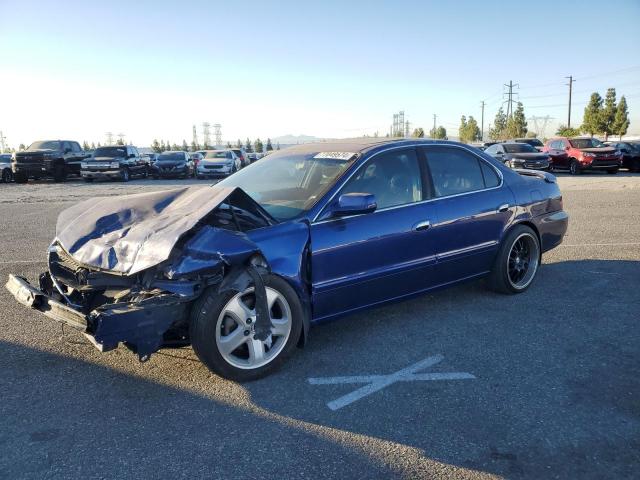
x: 295, y: 139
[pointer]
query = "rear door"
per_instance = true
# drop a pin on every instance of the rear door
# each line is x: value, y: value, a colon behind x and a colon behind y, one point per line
x: 473, y: 207
x: 366, y: 259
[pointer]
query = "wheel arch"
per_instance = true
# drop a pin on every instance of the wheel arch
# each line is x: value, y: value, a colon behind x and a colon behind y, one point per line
x: 526, y: 223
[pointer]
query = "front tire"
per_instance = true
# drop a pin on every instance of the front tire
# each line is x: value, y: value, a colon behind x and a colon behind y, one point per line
x: 517, y: 261
x: 7, y: 175
x: 613, y: 171
x: 20, y: 177
x: 574, y: 168
x: 125, y: 175
x: 221, y: 330
x: 59, y: 173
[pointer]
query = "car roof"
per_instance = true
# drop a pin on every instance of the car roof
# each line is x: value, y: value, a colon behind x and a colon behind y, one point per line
x: 174, y: 151
x: 360, y: 145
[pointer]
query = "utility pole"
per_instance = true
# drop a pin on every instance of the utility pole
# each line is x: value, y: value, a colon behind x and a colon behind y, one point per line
x: 482, y: 122
x: 571, y: 80
x: 195, y: 138
x: 109, y: 136
x: 434, y: 122
x: 2, y: 140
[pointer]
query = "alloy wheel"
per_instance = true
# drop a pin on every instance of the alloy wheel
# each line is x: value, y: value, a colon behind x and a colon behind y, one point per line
x: 235, y: 330
x: 523, y: 261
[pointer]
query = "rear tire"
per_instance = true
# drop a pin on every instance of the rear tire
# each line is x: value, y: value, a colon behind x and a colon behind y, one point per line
x: 88, y: 179
x: 517, y: 261
x: 210, y: 325
x: 125, y: 175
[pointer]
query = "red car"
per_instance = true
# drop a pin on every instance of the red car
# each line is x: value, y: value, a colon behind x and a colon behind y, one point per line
x: 582, y: 153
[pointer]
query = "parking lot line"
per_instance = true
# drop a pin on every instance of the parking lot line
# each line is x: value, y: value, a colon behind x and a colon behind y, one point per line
x: 378, y: 382
x: 621, y: 244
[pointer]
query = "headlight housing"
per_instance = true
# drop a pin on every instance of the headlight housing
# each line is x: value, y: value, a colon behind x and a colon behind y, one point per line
x: 588, y: 155
x: 115, y: 164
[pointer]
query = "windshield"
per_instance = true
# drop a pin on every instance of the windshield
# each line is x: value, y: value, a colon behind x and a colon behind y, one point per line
x: 287, y: 184
x: 110, y: 152
x: 222, y: 154
x: 534, y: 142
x: 44, y: 146
x: 173, y: 157
x: 586, y: 143
x: 519, y: 148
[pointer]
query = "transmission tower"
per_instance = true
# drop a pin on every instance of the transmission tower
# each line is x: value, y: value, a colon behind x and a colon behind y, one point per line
x: 398, y: 128
x: 509, y: 93
x: 109, y: 136
x: 195, y: 138
x: 217, y: 128
x: 206, y: 134
x: 540, y: 124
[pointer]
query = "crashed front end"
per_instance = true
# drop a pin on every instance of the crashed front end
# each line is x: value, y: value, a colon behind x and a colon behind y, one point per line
x: 127, y: 270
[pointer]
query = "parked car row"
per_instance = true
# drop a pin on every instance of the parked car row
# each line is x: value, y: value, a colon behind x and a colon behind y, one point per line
x: 59, y: 159
x: 574, y: 155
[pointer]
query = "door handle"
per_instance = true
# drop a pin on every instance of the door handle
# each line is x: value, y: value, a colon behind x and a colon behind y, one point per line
x: 425, y: 224
x: 503, y: 208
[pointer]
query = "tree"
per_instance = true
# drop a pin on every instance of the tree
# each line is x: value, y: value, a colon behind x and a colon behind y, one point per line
x: 194, y: 146
x: 93, y: 146
x: 499, y: 126
x: 155, y: 146
x: 229, y: 145
x: 99, y: 145
x: 269, y: 146
x: 469, y: 130
x: 531, y: 135
x: 592, y: 119
x: 185, y: 147
x: 517, y: 124
x: 621, y: 122
x: 85, y: 145
x: 163, y: 147
x: 565, y: 131
x: 440, y: 133
x: 21, y: 147
x: 278, y: 146
x: 119, y: 142
x: 418, y: 133
x: 609, y: 113
x: 247, y: 146
x: 257, y: 146
x: 239, y: 144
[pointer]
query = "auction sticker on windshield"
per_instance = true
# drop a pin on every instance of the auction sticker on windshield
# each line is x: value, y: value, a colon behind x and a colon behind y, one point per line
x: 336, y: 155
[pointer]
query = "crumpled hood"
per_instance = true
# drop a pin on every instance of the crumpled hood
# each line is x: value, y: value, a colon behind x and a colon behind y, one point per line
x: 131, y: 233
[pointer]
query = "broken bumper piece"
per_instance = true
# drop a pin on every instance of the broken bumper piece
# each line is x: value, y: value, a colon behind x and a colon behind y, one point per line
x: 140, y: 326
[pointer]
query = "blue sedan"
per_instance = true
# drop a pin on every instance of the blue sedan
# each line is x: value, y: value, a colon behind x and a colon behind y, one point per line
x: 241, y: 269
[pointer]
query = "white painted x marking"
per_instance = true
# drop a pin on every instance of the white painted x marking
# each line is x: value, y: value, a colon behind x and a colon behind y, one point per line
x: 378, y: 382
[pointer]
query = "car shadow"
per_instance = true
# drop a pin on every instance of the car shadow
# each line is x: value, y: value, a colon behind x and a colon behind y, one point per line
x: 555, y: 393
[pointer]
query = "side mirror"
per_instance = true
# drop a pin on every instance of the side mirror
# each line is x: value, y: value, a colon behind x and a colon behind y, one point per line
x: 131, y: 155
x: 354, y: 204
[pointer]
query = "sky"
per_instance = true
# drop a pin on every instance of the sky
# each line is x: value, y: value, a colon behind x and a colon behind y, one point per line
x: 332, y: 69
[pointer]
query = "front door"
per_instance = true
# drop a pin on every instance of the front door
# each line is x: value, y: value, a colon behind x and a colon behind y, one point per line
x: 366, y: 259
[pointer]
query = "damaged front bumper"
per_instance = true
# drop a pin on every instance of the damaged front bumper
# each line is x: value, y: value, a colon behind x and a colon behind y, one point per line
x: 140, y: 326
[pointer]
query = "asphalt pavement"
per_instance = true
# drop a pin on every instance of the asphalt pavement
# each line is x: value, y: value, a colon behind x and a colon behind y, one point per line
x: 551, y: 386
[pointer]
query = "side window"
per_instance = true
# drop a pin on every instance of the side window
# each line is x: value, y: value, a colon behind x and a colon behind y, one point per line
x: 75, y: 146
x: 491, y: 178
x: 454, y: 171
x: 393, y: 177
x: 229, y: 155
x: 492, y: 150
x: 66, y: 146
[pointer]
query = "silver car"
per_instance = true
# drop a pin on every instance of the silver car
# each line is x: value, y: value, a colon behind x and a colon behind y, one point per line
x: 218, y: 163
x: 6, y: 175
